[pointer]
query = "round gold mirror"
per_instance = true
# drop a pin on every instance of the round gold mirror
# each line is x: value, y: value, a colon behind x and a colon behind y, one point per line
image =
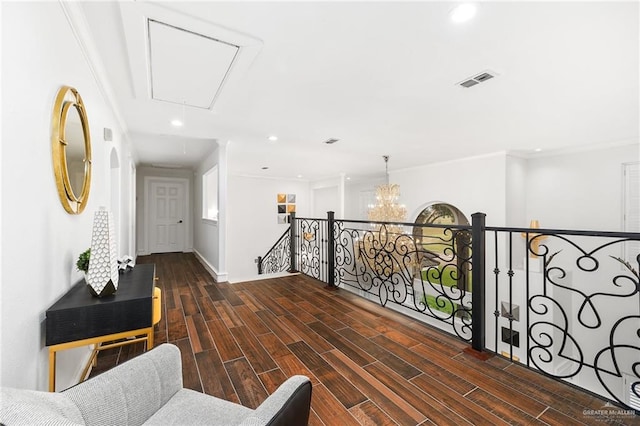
x: 71, y: 146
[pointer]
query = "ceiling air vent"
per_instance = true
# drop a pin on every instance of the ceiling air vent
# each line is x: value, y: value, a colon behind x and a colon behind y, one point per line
x: 331, y: 141
x: 469, y: 83
x: 477, y: 79
x: 483, y: 77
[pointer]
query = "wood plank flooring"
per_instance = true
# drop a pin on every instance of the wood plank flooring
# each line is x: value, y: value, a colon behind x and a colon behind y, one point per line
x: 368, y: 365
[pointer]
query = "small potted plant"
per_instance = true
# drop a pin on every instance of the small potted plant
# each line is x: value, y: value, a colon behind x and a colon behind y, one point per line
x: 83, y: 261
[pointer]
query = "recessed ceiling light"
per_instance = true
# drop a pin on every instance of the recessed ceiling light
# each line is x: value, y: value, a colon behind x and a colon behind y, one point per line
x: 537, y: 150
x: 463, y: 12
x: 273, y: 138
x: 176, y: 123
x: 299, y: 176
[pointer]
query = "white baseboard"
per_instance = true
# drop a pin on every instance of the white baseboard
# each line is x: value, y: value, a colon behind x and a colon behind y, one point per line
x: 235, y: 280
x: 565, y: 368
x: 218, y: 277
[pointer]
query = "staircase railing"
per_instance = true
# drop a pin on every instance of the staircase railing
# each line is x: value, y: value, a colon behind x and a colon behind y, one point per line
x: 278, y: 258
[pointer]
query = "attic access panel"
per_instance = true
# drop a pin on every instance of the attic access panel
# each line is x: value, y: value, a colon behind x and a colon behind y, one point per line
x: 186, y: 67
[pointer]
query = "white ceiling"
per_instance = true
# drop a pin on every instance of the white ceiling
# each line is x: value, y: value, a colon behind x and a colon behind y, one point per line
x: 379, y: 76
x: 177, y: 74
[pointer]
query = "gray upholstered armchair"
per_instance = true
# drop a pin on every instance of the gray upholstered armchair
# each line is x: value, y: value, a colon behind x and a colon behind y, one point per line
x: 147, y: 390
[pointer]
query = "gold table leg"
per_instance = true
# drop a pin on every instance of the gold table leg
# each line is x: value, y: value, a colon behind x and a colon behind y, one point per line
x: 141, y: 334
x: 52, y: 370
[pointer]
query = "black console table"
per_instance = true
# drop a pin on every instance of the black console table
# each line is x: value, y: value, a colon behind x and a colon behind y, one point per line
x: 80, y: 319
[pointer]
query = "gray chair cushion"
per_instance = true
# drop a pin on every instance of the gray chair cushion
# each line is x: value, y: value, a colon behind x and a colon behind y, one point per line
x: 27, y: 407
x: 195, y: 408
x: 133, y: 391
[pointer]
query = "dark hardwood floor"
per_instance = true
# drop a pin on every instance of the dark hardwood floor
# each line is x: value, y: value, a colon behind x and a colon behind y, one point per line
x: 368, y: 365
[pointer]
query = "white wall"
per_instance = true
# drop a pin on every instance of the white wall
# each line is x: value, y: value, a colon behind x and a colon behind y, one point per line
x: 40, y: 241
x: 475, y: 184
x: 516, y: 203
x: 129, y: 194
x: 142, y: 238
x: 122, y: 190
x: 209, y: 239
x: 574, y: 190
x: 252, y: 224
x: 516, y: 192
x: 327, y: 195
x: 579, y: 190
x: 358, y: 195
x: 324, y: 200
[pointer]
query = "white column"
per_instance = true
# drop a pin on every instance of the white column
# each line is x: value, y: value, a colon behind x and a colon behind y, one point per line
x: 341, y: 192
x: 222, y: 210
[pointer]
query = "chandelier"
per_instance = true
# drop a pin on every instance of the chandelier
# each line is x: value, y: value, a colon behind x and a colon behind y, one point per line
x: 387, y: 208
x: 386, y: 249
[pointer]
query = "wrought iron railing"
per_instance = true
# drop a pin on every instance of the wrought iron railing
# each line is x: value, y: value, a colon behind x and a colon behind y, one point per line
x: 566, y: 303
x: 311, y: 236
x: 303, y: 246
x: 278, y: 258
x: 398, y: 265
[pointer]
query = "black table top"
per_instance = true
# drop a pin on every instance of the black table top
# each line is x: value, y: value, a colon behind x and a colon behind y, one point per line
x: 79, y: 315
x: 136, y: 283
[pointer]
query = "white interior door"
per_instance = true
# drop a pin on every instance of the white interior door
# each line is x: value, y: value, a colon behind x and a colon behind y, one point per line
x: 167, y: 229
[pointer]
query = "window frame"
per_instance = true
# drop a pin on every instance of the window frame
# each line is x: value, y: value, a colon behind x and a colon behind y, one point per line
x: 210, y: 181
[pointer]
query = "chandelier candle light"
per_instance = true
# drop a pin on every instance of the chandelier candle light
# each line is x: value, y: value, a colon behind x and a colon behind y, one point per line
x: 381, y: 249
x: 387, y: 209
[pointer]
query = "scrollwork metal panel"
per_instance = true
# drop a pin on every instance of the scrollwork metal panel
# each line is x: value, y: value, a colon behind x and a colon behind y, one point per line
x: 312, y: 247
x: 585, y: 312
x: 429, y: 276
x: 278, y: 258
x: 582, y: 301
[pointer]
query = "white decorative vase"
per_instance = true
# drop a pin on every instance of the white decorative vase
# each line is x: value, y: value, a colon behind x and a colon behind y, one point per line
x: 102, y: 276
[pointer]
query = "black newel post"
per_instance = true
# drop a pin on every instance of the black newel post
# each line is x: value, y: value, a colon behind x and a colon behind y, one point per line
x: 292, y: 244
x: 259, y: 265
x: 331, y: 261
x: 478, y: 275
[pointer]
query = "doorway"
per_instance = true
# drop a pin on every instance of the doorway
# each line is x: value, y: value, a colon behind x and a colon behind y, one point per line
x: 167, y: 214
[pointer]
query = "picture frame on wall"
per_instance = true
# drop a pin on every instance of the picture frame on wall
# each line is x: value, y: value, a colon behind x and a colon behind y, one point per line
x: 286, y: 204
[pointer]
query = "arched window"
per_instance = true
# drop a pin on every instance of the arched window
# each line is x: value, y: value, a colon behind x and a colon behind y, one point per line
x: 442, y: 214
x: 446, y: 250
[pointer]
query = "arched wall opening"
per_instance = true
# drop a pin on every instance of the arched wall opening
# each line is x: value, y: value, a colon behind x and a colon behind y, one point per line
x: 115, y: 188
x: 446, y: 247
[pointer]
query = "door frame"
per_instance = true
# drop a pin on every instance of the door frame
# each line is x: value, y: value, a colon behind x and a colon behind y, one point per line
x: 186, y: 209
